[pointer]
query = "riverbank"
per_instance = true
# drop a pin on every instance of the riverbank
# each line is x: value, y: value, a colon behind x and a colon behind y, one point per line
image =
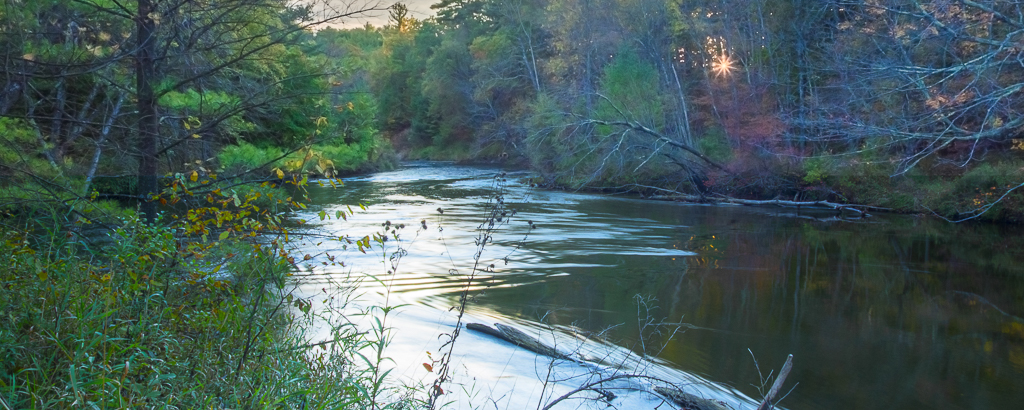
x: 944, y: 188
x: 988, y: 192
x: 196, y: 310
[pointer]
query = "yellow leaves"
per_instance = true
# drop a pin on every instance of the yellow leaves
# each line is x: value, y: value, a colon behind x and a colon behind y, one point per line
x: 190, y: 123
x: 1018, y: 145
x: 194, y: 177
x: 278, y: 172
x: 363, y: 244
x: 325, y: 167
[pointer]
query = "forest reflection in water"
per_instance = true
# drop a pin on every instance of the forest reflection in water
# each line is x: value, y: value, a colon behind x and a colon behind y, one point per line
x: 895, y: 311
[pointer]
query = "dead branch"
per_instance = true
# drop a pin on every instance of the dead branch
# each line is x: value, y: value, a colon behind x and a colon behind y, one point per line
x: 768, y: 402
x: 783, y: 203
x: 635, y: 126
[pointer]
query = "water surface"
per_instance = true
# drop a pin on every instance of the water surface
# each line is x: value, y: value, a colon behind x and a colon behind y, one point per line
x: 897, y: 312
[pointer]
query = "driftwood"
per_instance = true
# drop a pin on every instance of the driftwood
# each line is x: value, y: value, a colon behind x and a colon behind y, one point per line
x: 688, y: 401
x: 518, y: 338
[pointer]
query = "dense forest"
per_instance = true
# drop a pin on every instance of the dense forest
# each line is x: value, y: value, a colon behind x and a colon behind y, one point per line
x: 906, y: 105
x: 149, y: 152
x: 90, y: 103
x: 145, y: 145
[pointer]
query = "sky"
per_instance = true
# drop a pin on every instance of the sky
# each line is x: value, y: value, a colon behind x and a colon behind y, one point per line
x: 419, y: 9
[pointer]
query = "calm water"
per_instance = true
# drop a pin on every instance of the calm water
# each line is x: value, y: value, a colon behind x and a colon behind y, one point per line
x: 894, y: 312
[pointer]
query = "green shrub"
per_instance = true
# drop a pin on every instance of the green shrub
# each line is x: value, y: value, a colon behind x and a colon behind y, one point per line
x: 716, y: 146
x: 169, y: 315
x: 817, y: 170
x: 20, y: 152
x: 245, y: 156
x: 346, y: 157
x: 989, y: 176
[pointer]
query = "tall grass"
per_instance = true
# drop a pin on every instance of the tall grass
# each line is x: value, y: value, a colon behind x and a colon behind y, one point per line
x: 191, y: 312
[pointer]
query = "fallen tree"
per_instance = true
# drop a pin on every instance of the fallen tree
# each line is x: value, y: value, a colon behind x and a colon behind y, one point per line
x: 689, y: 401
x: 861, y: 210
x: 518, y: 338
x: 669, y: 392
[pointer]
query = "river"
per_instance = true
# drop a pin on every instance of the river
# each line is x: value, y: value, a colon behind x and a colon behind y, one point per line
x: 895, y: 312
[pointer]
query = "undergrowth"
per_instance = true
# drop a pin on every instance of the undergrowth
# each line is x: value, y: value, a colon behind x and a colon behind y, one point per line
x: 194, y: 311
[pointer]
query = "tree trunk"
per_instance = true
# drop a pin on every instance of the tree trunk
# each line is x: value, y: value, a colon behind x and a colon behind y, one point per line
x: 57, y: 125
x: 98, y: 152
x: 687, y: 134
x: 148, y: 122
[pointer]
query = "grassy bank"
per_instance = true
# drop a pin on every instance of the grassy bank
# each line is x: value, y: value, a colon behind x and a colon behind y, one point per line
x: 195, y: 311
x: 985, y: 191
x: 989, y: 191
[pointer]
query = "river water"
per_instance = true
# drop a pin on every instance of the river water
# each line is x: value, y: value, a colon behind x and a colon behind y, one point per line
x: 895, y: 312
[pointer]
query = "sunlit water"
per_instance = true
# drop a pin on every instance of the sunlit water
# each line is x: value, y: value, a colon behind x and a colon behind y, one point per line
x: 890, y: 312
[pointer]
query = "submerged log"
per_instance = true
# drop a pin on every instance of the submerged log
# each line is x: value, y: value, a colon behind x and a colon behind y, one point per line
x: 482, y: 328
x: 518, y: 338
x: 688, y: 401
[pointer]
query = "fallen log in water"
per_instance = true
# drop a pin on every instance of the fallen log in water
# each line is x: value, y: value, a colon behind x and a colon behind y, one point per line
x: 798, y: 204
x: 482, y: 328
x: 859, y: 209
x: 515, y: 336
x: 688, y: 401
x: 518, y: 338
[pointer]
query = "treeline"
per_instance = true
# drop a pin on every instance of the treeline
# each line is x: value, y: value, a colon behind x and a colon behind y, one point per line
x: 908, y: 105
x: 902, y: 104
x: 209, y: 117
x: 113, y: 97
